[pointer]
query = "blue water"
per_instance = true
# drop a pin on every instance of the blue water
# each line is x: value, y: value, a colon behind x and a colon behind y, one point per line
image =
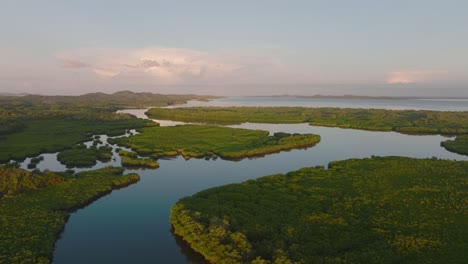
x: 131, y: 225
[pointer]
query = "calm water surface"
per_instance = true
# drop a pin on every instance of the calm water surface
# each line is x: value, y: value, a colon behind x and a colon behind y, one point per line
x: 393, y: 104
x: 131, y: 225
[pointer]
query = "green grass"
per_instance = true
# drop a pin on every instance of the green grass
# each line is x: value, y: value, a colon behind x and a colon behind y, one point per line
x: 459, y: 145
x: 404, y: 121
x: 211, y: 142
x: 80, y: 156
x: 52, y: 135
x: 379, y: 210
x: 139, y: 163
x: 36, y: 208
x: 130, y: 160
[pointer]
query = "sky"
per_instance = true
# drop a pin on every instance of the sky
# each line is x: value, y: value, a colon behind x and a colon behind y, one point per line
x: 242, y: 47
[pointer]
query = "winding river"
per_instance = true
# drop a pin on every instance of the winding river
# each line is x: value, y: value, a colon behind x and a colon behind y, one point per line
x: 131, y: 225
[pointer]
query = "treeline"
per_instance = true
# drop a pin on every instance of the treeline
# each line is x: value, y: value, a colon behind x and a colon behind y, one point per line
x: 211, y: 142
x: 379, y: 210
x: 404, y: 121
x: 36, y: 208
x: 94, y: 105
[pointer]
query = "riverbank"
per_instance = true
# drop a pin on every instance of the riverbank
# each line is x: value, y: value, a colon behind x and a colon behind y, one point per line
x: 32, y: 220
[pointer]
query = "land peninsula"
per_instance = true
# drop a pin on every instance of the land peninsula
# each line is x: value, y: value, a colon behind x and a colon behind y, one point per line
x: 374, y: 210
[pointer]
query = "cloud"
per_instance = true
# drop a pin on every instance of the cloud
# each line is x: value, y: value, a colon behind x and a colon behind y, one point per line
x: 73, y: 64
x: 153, y: 63
x: 414, y: 76
x: 172, y: 65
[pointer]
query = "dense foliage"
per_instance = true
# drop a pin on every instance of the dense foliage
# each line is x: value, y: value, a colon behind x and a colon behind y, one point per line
x: 51, y: 135
x: 34, y: 161
x: 405, y: 121
x: 33, y: 124
x: 80, y: 156
x: 459, y: 145
x: 211, y: 142
x: 379, y: 210
x: 15, y: 180
x: 88, y: 106
x: 37, y: 208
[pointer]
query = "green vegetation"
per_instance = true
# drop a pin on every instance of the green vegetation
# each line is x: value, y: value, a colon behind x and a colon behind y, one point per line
x: 130, y: 159
x: 35, y: 208
x: 405, y: 121
x: 51, y: 135
x: 459, y: 145
x: 15, y: 180
x: 33, y: 124
x: 88, y: 106
x: 139, y: 163
x: 34, y: 161
x: 80, y: 156
x: 211, y: 142
x: 378, y: 210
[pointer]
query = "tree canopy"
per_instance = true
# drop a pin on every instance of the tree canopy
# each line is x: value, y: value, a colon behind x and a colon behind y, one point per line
x: 375, y: 210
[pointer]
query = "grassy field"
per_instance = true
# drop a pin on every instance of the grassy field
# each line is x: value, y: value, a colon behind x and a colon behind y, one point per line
x: 405, y: 121
x: 379, y: 210
x: 211, y: 142
x: 34, y: 208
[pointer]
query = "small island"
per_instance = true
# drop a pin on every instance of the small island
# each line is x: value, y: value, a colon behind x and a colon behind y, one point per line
x: 130, y: 160
x: 81, y: 156
x: 199, y: 141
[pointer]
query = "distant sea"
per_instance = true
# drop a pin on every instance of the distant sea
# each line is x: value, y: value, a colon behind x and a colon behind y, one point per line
x: 392, y: 104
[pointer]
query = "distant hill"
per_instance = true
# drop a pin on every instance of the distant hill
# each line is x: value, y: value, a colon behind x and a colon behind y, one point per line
x: 118, y: 100
x: 13, y: 94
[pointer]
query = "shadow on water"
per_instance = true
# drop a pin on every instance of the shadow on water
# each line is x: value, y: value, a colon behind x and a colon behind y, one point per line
x: 185, y: 249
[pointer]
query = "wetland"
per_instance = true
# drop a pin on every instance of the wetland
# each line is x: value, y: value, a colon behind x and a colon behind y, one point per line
x: 132, y: 224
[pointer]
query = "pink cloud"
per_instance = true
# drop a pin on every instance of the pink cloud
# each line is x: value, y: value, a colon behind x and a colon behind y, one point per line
x: 74, y: 64
x: 414, y: 76
x: 173, y: 65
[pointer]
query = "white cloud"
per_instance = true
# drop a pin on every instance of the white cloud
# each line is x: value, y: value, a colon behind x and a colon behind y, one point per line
x: 414, y: 76
x: 173, y: 65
